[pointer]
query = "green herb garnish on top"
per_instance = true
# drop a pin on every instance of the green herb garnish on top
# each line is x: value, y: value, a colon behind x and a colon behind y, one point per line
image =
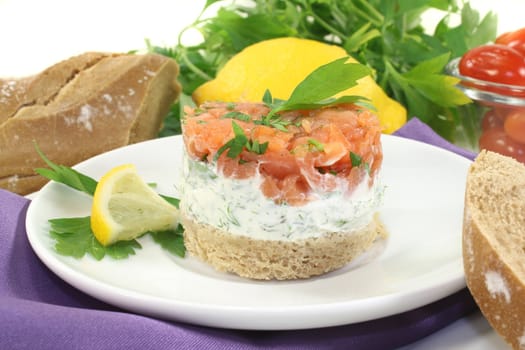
x: 317, y: 90
x: 357, y: 161
x: 239, y: 142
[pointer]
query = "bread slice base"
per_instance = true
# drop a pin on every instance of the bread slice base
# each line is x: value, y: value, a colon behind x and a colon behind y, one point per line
x: 280, y: 260
x: 494, y: 243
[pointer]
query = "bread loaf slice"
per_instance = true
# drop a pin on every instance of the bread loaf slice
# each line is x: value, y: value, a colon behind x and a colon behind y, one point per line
x: 81, y: 107
x: 494, y: 243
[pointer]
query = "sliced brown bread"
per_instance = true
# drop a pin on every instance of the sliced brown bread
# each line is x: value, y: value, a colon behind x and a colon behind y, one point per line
x: 81, y: 107
x: 494, y: 243
x: 280, y: 260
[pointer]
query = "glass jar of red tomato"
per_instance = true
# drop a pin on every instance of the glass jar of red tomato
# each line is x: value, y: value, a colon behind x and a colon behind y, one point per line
x: 493, y: 76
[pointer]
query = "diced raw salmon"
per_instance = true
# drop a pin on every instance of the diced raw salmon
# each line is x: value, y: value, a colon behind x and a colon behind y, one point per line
x: 313, y: 154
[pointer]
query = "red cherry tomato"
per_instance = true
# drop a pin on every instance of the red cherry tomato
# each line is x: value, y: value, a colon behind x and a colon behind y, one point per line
x: 497, y: 140
x: 491, y: 120
x: 515, y: 126
x: 494, y: 63
x: 514, y: 39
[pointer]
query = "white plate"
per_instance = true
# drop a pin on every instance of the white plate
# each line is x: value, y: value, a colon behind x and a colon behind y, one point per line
x: 421, y: 263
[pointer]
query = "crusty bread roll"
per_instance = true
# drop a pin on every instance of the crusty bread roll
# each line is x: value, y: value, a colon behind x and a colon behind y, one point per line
x: 494, y: 243
x: 81, y: 107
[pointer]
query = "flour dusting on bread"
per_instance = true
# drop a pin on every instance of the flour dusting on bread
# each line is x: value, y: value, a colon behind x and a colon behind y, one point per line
x: 497, y: 286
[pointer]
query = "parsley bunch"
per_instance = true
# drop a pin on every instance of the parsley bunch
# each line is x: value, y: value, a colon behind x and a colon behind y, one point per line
x: 386, y: 35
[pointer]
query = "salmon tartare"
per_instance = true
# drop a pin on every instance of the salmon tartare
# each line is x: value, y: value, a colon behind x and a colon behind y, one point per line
x: 289, y: 197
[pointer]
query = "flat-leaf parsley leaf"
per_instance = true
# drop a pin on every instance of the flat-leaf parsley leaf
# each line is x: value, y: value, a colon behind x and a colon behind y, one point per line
x: 74, y: 237
x: 317, y: 90
x: 66, y: 175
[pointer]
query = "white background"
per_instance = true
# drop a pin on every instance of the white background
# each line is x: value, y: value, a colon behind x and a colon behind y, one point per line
x: 35, y: 34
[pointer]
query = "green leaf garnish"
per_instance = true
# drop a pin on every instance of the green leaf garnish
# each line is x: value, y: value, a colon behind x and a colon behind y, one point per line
x: 255, y: 147
x: 235, y: 145
x: 66, y: 175
x: 122, y: 249
x: 74, y: 237
x: 279, y: 124
x: 171, y: 240
x: 319, y: 87
x: 238, y: 143
x: 238, y: 116
x: 267, y: 98
x: 172, y: 200
x: 316, y: 144
x: 275, y: 122
x: 325, y: 82
x: 441, y: 89
x: 357, y: 161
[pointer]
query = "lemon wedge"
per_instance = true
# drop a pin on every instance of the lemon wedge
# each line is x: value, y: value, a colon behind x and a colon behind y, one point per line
x: 125, y: 207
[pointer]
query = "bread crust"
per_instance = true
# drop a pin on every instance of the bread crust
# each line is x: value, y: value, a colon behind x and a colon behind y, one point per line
x: 41, y: 88
x: 81, y: 107
x: 493, y: 252
x: 273, y: 259
x: 25, y: 184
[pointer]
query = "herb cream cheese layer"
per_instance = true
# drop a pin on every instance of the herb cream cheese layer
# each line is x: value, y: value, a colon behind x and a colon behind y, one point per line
x: 240, y: 208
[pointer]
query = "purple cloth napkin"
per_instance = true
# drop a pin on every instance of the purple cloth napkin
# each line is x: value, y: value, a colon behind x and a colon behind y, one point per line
x: 40, y: 311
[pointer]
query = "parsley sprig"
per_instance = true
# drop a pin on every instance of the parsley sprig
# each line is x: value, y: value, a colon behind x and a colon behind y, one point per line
x: 237, y: 116
x: 357, y: 161
x: 74, y: 237
x: 316, y: 145
x: 66, y: 175
x: 239, y: 142
x: 315, y: 91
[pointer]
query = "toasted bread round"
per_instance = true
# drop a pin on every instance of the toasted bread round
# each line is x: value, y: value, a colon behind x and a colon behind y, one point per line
x: 276, y: 259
